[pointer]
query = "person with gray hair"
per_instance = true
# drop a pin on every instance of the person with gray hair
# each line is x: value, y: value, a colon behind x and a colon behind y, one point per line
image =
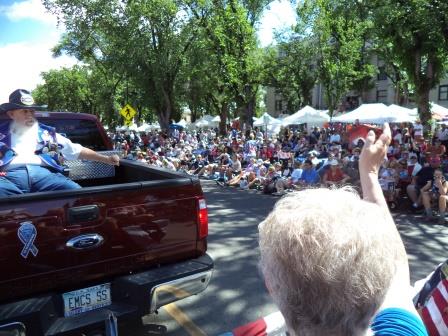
x: 335, y: 264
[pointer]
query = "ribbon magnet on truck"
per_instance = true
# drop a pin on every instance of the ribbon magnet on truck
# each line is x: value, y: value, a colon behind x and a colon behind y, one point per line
x: 27, y: 234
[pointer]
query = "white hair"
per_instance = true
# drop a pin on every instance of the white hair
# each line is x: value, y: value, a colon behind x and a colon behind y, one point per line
x: 328, y: 258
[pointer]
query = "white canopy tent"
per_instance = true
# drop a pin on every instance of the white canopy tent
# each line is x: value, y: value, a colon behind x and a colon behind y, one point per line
x: 154, y: 126
x: 215, y: 121
x: 266, y: 119
x: 133, y: 127
x: 271, y: 124
x: 402, y: 114
x: 181, y: 123
x: 376, y: 113
x: 307, y: 115
x: 438, y: 112
x: 207, y: 117
x: 202, y: 123
x: 144, y: 128
x: 205, y: 121
x: 291, y: 120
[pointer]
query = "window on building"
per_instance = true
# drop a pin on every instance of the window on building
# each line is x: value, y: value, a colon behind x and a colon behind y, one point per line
x: 381, y: 96
x: 381, y: 74
x: 443, y: 92
x: 278, y: 105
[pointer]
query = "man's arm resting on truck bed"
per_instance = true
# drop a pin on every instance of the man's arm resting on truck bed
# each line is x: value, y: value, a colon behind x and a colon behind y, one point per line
x: 88, y: 154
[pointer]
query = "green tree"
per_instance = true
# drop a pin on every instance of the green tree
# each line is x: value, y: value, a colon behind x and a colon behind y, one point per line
x: 229, y: 37
x: 290, y: 69
x: 417, y: 35
x: 339, y: 34
x: 79, y: 89
x: 66, y: 89
x: 141, y: 41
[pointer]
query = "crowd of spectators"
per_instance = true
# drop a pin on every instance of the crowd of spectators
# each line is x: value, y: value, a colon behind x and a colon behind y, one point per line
x: 413, y: 171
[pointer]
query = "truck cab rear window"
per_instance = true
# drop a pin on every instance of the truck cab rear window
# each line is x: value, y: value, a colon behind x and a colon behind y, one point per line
x: 84, y: 132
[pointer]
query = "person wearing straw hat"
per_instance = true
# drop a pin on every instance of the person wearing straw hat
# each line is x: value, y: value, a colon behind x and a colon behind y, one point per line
x: 32, y: 154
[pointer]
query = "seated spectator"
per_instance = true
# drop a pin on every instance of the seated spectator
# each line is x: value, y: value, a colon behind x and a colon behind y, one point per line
x: 435, y: 150
x: 420, y: 180
x: 269, y: 180
x: 260, y: 172
x: 413, y: 166
x: 394, y: 151
x: 234, y: 167
x: 435, y: 190
x: 335, y: 138
x: 309, y: 175
x: 282, y: 182
x: 402, y: 172
x: 198, y: 164
x: 168, y: 164
x: 140, y: 157
x: 355, y: 155
x: 296, y: 173
x: 334, y: 264
x: 334, y: 175
x: 387, y: 176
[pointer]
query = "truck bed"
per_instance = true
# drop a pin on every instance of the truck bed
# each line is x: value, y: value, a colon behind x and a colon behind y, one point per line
x: 143, y: 217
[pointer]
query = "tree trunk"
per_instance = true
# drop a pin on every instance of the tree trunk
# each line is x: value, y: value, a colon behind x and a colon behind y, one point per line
x: 307, y: 97
x: 165, y: 113
x: 330, y: 101
x: 250, y: 109
x: 164, y: 119
x: 194, y: 114
x: 223, y: 115
x: 424, y: 111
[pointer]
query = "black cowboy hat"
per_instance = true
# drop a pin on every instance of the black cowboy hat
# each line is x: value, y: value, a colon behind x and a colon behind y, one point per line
x: 20, y: 99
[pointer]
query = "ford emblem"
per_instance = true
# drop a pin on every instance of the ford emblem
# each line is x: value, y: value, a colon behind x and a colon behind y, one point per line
x: 85, y: 241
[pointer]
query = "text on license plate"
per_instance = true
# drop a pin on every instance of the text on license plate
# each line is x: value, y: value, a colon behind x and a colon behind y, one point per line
x: 86, y: 299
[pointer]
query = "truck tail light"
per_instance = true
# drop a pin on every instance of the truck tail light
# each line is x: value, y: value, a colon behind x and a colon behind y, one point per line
x: 202, y: 218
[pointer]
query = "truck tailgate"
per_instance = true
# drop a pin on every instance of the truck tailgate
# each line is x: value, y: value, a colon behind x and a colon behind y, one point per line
x: 59, y: 240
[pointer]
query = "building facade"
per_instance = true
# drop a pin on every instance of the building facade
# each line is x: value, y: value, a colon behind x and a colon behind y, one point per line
x: 383, y: 91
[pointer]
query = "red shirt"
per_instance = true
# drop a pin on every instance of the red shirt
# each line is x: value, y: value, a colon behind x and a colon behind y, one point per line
x: 335, y: 175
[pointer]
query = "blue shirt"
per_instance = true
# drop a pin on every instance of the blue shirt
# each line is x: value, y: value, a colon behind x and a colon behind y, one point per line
x: 397, y: 322
x: 309, y: 176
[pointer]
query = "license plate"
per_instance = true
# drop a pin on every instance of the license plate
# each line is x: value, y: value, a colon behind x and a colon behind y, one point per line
x: 86, y: 299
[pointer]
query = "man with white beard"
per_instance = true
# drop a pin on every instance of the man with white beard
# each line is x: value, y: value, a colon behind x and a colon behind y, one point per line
x: 31, y: 153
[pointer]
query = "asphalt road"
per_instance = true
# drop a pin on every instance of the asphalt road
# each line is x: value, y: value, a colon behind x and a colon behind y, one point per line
x: 236, y: 294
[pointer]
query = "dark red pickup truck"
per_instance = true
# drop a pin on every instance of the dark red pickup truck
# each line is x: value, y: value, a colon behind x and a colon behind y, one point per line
x: 72, y: 260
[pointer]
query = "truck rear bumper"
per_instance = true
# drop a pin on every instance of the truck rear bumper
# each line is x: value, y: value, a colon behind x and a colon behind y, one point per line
x: 133, y: 296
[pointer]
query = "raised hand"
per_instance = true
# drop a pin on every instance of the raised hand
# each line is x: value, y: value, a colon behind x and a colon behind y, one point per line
x: 374, y: 152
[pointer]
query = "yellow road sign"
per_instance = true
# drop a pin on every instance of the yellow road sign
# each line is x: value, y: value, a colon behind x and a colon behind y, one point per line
x: 128, y: 112
x: 128, y: 122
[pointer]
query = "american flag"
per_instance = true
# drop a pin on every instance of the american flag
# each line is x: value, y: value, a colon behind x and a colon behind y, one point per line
x: 432, y: 302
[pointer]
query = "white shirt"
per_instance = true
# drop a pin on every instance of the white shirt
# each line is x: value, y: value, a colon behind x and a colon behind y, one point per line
x: 418, y: 129
x: 443, y: 134
x: 296, y: 174
x: 335, y: 138
x: 25, y: 142
x: 399, y: 138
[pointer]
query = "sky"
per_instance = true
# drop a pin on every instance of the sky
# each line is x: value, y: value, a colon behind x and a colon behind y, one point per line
x: 28, y: 32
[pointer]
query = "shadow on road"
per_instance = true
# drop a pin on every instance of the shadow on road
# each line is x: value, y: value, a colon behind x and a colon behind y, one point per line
x: 236, y: 294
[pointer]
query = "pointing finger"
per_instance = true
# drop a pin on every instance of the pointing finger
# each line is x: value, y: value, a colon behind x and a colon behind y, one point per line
x: 370, y: 138
x: 385, y: 138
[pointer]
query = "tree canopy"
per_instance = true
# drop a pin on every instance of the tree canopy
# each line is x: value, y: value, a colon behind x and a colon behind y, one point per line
x: 167, y: 56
